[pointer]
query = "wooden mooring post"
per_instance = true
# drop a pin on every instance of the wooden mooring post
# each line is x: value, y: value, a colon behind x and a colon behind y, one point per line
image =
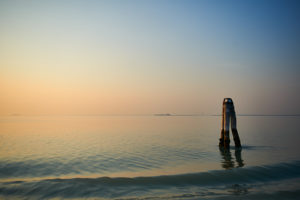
x: 229, y: 118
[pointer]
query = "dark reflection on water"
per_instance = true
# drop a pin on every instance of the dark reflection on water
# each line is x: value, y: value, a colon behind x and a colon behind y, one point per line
x: 239, y: 189
x: 227, y: 158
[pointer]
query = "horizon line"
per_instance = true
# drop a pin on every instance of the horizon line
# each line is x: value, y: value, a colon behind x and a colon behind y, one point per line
x: 154, y: 114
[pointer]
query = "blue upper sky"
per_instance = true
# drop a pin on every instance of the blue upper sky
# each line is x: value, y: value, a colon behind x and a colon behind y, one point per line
x: 137, y: 57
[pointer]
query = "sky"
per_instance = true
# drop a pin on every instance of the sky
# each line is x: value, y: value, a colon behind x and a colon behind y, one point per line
x: 89, y: 57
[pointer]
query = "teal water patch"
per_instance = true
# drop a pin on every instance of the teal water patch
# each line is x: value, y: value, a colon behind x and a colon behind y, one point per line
x: 237, y: 180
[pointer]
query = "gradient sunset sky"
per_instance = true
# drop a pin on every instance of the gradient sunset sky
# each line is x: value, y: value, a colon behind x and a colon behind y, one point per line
x: 145, y: 57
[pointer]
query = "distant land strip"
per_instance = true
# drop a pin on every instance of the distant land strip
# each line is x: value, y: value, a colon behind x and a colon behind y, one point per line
x: 250, y: 115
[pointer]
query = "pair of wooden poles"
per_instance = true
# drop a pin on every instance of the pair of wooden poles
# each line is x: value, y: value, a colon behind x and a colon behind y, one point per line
x: 229, y: 118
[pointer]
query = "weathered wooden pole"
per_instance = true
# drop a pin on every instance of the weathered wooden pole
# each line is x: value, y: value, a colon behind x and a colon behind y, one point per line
x: 229, y: 118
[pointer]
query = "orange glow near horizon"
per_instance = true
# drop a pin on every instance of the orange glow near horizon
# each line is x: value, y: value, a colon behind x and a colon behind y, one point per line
x: 111, y: 58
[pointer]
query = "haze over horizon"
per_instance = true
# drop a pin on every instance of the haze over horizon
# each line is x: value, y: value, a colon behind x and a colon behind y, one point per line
x: 145, y: 57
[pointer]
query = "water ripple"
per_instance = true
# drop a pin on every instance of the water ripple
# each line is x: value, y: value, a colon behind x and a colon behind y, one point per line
x: 119, y: 187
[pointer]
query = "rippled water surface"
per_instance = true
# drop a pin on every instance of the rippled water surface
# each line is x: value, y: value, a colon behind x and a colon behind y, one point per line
x: 148, y: 157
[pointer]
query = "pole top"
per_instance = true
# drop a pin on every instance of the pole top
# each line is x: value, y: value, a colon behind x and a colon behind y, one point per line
x: 227, y: 100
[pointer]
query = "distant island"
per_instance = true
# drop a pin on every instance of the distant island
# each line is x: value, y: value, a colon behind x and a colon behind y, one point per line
x: 15, y: 114
x: 163, y: 114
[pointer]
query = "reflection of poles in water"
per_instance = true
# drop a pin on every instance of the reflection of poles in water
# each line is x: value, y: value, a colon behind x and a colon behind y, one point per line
x: 228, y: 162
x: 229, y: 118
x: 227, y: 158
x: 238, y: 157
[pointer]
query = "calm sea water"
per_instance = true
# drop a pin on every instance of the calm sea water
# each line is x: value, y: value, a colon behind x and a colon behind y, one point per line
x: 147, y: 157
